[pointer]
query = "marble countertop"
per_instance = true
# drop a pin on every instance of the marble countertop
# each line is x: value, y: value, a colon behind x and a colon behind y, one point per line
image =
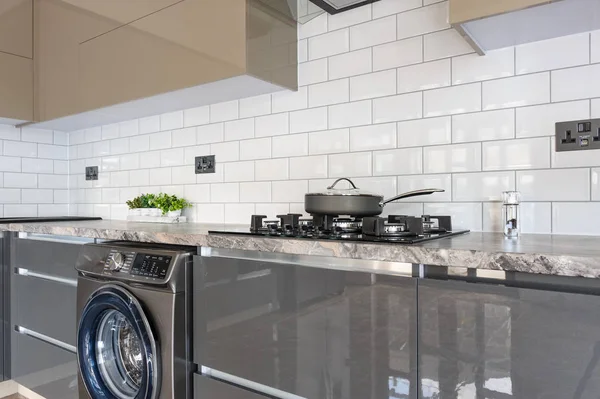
x: 543, y: 254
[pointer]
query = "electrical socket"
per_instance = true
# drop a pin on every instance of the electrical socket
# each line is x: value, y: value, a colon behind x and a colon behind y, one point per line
x: 91, y: 173
x: 205, y: 164
x: 578, y: 135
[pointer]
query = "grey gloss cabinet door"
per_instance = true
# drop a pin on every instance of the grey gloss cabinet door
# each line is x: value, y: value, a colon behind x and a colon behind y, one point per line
x: 311, y: 332
x: 483, y: 341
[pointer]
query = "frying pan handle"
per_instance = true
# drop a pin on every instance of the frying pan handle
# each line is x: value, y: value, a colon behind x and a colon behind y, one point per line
x: 409, y: 194
x: 338, y: 180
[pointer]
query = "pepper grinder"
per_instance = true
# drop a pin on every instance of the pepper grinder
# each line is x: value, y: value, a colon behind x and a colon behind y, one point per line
x: 511, y: 213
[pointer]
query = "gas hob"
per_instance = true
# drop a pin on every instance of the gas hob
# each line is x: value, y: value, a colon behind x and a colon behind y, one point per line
x: 400, y: 229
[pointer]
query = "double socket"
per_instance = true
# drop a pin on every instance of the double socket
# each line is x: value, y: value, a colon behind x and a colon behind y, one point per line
x: 578, y: 135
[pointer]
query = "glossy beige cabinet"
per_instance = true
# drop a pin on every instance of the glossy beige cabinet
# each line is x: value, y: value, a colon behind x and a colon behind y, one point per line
x: 113, y: 60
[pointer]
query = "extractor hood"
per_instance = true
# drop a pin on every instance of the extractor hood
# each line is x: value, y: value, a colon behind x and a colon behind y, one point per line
x: 337, y: 6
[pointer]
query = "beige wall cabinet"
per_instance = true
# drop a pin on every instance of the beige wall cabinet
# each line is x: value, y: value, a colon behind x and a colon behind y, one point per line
x: 468, y: 10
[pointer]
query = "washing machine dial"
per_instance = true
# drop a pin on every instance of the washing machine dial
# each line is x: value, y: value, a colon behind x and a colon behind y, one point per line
x: 116, y: 261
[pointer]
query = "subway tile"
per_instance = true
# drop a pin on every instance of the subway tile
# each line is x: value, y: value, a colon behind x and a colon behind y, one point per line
x: 119, y: 146
x: 20, y: 149
x: 272, y: 209
x: 484, y: 186
x: 37, y: 196
x: 423, y: 20
x: 190, y: 153
x: 172, y: 157
x: 197, y: 192
x: 110, y: 131
x: 350, y: 64
x: 397, y: 54
x: 389, y: 7
x: 210, y: 213
x: 255, y: 149
x: 382, y: 185
x: 150, y: 124
x: 20, y: 180
x: 61, y: 167
x: 59, y: 182
x: 238, y: 171
x: 225, y: 111
x: 540, y: 120
x: 271, y: 169
x: 595, y: 182
x: 226, y: 152
x: 452, y: 158
x: 536, y: 217
x: 483, y: 126
x: 452, y: 100
x: 576, y: 83
x: 572, y: 159
x: 560, y: 52
x: 403, y: 208
x: 443, y: 44
x: 129, y: 128
x: 329, y: 44
x: 100, y: 148
x: 160, y: 140
x: 183, y: 137
x: 49, y: 151
x: 473, y: 67
x: 129, y: 161
x: 404, y: 161
x: 183, y: 175
x: 93, y: 195
x: 554, y: 185
x: 492, y: 217
x: 302, y: 50
x: 255, y: 106
x: 239, y: 129
x: 85, y: 151
x: 117, y: 211
x: 171, y: 120
x: 465, y: 215
x: 210, y: 133
x: 160, y: 176
x: 308, y: 120
x: 398, y: 108
x: 351, y: 114
x: 225, y: 192
x: 329, y: 142
x: 150, y: 159
x: 417, y: 182
x: 91, y: 134
x: 10, y: 196
x: 421, y: 132
x: 378, y: 84
x: 328, y: 93
x: 289, y: 190
x: 41, y: 135
x: 110, y: 163
x: 128, y: 193
x: 349, y: 18
x: 285, y: 101
x: 516, y: 154
x: 290, y: 146
x: 138, y: 143
x: 110, y: 195
x: 373, y: 33
x: 315, y: 26
x: 140, y: 177
x: 255, y: 192
x: 429, y: 75
x: 75, y: 137
x: 312, y: 72
x: 20, y: 210
x: 196, y: 116
x: 373, y: 137
x: 238, y: 213
x: 121, y: 179
x: 272, y: 125
x: 518, y: 91
x: 8, y: 132
x: 595, y: 108
x: 574, y: 218
x: 595, y: 46
x: 354, y: 164
x: 312, y: 167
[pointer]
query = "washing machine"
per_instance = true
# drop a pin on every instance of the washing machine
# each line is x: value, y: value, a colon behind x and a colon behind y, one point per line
x: 133, y: 321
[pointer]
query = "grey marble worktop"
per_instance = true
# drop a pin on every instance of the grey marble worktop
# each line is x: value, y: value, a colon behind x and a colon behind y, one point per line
x: 543, y: 254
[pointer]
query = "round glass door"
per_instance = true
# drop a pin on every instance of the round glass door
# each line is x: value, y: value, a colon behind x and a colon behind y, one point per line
x: 117, y: 352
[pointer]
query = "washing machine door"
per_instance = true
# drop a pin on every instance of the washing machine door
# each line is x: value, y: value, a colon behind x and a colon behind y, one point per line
x: 116, y: 350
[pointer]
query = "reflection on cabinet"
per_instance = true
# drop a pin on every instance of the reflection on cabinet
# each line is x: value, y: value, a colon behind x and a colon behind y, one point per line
x: 468, y: 10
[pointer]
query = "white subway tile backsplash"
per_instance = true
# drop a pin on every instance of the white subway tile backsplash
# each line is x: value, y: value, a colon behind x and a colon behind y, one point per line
x: 350, y: 64
x: 239, y: 171
x: 492, y: 217
x: 484, y: 186
x: 383, y: 185
x: 183, y: 137
x: 483, y: 126
x: 354, y: 164
x: 517, y: 91
x: 378, y: 84
x: 595, y: 46
x: 128, y: 128
x: 119, y: 146
x: 329, y: 44
x: 91, y: 134
x: 595, y: 108
x: 173, y: 157
x: 271, y: 169
x: 225, y: 192
x: 171, y: 120
x: 446, y: 43
x: 405, y: 161
x: 196, y: 116
x: 255, y: 106
x: 290, y: 146
x: 315, y: 26
x: 308, y: 120
x: 372, y: 33
x: 536, y: 217
x: 421, y: 132
x: 60, y: 168
x: 140, y: 177
x: 429, y: 75
x: 226, y: 152
x: 576, y: 83
x: 150, y: 124
x: 373, y: 137
x: 554, y: 185
x: 272, y: 209
x: 138, y: 143
x: 351, y: 114
x: 121, y: 179
x: 110, y: 131
x: 129, y: 161
x: 555, y: 53
x: 574, y: 218
x: 272, y: 125
x: 398, y: 108
x: 312, y: 72
x: 452, y: 100
x: 389, y: 7
x: 20, y: 180
x: 36, y: 196
x: 398, y: 53
x: 44, y: 136
x: 417, y: 182
x: 197, y: 192
x: 403, y: 208
x: 53, y: 181
x: 539, y: 120
x: 570, y: 159
x: 10, y: 164
x: 303, y: 50
x: 150, y: 159
x: 224, y: 111
x: 210, y: 133
x: 20, y: 149
x: 333, y: 92
x: 12, y: 133
x: 285, y: 101
x: 452, y: 158
x: 160, y: 140
x: 349, y: 18
x: 465, y: 215
x: 423, y: 20
x: 239, y: 129
x: 211, y: 213
x: 255, y: 192
x: 473, y: 67
x: 312, y: 167
x: 100, y: 148
x: 10, y: 196
x: 329, y: 142
x: 595, y: 182
x: 255, y: 149
x: 289, y: 191
x: 20, y: 210
x: 517, y: 154
x: 110, y: 195
x: 110, y: 163
x: 238, y: 213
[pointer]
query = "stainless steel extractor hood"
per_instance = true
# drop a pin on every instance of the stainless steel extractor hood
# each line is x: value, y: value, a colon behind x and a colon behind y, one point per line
x: 337, y: 6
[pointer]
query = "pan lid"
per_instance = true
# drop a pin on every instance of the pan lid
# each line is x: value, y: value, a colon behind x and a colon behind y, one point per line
x: 350, y: 191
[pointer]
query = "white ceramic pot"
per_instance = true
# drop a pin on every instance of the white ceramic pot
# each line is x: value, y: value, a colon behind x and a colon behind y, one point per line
x: 174, y: 214
x: 135, y: 212
x: 155, y: 212
x: 145, y: 212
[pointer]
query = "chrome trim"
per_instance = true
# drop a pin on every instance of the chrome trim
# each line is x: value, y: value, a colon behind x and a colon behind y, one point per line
x: 54, y: 238
x: 273, y: 392
x: 316, y: 261
x: 47, y: 277
x: 47, y: 339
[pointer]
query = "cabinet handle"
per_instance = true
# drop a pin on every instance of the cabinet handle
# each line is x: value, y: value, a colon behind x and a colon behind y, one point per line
x: 46, y: 339
x: 47, y: 277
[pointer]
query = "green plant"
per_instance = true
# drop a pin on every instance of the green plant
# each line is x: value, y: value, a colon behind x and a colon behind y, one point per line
x: 142, y: 201
x: 167, y: 203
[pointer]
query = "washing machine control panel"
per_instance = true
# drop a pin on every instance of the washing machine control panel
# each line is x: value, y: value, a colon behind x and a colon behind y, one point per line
x: 152, y: 266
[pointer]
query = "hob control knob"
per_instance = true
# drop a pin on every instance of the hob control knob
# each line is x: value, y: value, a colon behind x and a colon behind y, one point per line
x: 116, y: 261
